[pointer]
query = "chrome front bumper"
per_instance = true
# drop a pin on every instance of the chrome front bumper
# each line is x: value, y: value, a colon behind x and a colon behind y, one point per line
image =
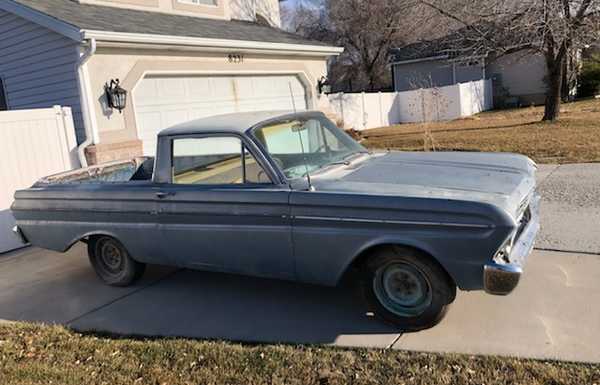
x: 503, y: 278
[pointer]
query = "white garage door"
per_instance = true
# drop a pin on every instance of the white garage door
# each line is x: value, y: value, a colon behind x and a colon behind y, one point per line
x: 163, y: 101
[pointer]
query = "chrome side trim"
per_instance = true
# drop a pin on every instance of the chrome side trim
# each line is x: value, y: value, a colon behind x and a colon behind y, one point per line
x: 20, y: 234
x: 390, y: 222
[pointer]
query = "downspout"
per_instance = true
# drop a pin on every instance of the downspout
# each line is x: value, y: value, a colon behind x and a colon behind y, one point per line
x: 88, y: 119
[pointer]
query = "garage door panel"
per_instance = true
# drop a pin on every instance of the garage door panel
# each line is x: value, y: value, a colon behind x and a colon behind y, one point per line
x: 175, y: 116
x: 244, y: 88
x: 204, y: 110
x: 222, y: 88
x: 146, y: 92
x: 172, y: 88
x: 200, y: 90
x: 146, y: 123
x: 164, y: 101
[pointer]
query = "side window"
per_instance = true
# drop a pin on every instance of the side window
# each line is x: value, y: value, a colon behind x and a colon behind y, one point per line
x: 3, y: 102
x: 214, y: 161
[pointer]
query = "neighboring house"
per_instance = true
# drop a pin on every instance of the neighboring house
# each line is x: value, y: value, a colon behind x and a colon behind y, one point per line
x: 177, y: 60
x: 518, y: 78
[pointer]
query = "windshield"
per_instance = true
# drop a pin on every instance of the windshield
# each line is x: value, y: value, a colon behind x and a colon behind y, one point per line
x: 302, y: 145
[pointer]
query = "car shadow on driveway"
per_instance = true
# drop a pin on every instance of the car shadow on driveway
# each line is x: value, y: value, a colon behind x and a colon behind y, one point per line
x: 221, y: 306
x: 42, y: 286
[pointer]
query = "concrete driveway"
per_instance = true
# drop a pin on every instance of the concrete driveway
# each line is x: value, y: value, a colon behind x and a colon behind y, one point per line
x: 554, y: 313
x: 571, y: 208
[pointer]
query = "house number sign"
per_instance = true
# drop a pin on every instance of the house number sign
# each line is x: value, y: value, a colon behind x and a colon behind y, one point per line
x: 235, y: 58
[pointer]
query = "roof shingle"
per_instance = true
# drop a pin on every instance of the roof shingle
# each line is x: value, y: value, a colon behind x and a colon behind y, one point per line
x: 112, y: 19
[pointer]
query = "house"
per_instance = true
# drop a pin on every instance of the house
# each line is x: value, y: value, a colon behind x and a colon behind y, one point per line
x: 171, y: 60
x: 518, y: 78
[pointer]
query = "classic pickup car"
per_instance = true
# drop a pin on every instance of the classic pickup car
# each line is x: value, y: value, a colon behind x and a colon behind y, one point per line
x: 291, y: 196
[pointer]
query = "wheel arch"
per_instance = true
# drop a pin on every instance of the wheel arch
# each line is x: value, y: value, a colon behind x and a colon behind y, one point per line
x: 370, y: 249
x: 86, y: 237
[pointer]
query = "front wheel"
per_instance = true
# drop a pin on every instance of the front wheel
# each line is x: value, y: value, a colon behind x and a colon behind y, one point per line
x: 112, y: 262
x: 407, y: 289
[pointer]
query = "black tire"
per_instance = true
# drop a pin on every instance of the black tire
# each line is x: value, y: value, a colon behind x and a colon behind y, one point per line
x: 406, y: 288
x: 112, y: 262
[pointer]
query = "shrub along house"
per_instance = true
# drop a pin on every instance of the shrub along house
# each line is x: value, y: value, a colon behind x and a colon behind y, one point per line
x: 162, y: 61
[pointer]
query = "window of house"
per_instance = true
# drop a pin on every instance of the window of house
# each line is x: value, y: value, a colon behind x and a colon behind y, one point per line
x: 215, y: 161
x: 3, y: 102
x: 199, y: 2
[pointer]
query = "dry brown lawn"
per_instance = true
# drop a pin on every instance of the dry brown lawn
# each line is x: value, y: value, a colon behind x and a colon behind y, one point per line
x: 574, y: 138
x: 34, y: 354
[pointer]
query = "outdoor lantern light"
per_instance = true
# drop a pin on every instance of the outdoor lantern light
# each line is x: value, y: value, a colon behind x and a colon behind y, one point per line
x: 115, y: 95
x: 324, y: 85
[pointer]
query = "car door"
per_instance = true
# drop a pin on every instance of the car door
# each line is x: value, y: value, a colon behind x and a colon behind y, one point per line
x: 222, y: 211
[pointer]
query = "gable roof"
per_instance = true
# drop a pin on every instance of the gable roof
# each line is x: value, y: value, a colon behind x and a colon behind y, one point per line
x: 89, y: 19
x: 418, y: 51
x: 462, y: 44
x: 457, y: 44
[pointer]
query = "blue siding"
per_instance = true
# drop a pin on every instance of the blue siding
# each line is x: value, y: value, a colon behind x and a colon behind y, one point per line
x: 39, y: 68
x: 434, y: 73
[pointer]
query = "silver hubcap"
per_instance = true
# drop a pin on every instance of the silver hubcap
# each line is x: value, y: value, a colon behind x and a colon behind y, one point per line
x: 402, y: 289
x: 111, y: 257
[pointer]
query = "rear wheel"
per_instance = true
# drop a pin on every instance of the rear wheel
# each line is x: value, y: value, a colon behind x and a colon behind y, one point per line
x: 112, y: 262
x: 407, y: 288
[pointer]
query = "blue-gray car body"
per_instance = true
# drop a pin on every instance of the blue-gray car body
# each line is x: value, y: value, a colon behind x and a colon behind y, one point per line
x: 476, y: 214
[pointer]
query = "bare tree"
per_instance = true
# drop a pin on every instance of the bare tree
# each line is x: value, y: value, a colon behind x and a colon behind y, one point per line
x: 307, y: 18
x: 556, y: 29
x: 368, y: 29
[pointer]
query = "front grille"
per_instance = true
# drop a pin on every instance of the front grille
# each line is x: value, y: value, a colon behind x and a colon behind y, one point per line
x: 523, y: 205
x: 525, y: 218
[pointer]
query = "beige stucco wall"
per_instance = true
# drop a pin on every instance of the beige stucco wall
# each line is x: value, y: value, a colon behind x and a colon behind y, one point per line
x: 223, y: 9
x: 130, y: 66
x: 246, y: 9
x: 219, y: 11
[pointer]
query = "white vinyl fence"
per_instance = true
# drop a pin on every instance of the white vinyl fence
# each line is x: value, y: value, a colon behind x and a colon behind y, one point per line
x: 33, y: 144
x: 369, y: 110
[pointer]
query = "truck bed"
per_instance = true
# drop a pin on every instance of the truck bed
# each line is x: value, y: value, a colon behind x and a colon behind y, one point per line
x: 113, y: 172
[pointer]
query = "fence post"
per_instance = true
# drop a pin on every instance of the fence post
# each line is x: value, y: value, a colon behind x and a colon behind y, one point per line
x: 363, y: 112
x: 341, y: 96
x: 393, y: 109
x: 463, y: 105
x: 71, y: 137
x: 62, y: 135
x: 381, y: 123
x: 490, y: 90
x: 423, y: 106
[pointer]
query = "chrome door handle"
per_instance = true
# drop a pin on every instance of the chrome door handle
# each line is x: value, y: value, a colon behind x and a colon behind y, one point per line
x: 164, y: 194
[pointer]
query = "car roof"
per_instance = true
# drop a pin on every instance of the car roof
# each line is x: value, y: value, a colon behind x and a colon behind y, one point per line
x: 232, y: 123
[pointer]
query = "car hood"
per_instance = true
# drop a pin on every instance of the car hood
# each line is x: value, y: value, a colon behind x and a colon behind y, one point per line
x: 505, y: 180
